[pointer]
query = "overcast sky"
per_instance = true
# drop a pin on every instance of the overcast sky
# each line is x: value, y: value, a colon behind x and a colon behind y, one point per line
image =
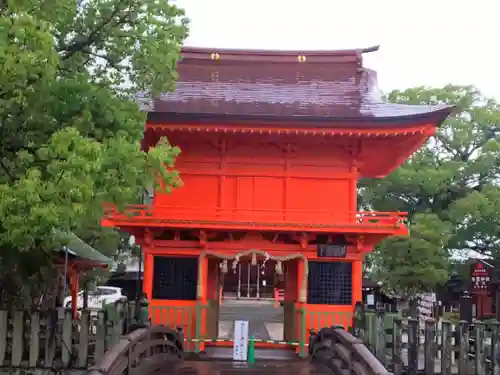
x: 425, y: 42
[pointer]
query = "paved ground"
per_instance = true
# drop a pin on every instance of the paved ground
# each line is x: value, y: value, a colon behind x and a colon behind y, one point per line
x: 296, y: 367
x: 258, y: 329
x: 264, y: 318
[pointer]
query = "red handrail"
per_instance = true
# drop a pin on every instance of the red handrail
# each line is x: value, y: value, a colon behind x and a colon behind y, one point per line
x: 158, y: 213
x: 145, y: 207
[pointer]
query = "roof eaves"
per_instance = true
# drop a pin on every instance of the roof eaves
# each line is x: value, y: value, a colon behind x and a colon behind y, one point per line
x: 437, y: 115
x: 78, y: 248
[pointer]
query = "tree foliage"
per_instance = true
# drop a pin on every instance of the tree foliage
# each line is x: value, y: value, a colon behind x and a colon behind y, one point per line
x: 69, y: 124
x: 410, y: 265
x: 450, y: 187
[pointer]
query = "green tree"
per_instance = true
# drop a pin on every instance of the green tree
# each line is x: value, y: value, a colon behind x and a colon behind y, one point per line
x: 69, y: 125
x: 410, y: 265
x: 453, y: 180
x: 477, y: 222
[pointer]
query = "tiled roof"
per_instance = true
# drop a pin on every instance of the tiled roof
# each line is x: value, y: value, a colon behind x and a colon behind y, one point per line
x: 79, y: 249
x: 327, y: 85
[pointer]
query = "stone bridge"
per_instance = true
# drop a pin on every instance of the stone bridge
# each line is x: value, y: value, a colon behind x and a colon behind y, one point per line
x: 160, y: 350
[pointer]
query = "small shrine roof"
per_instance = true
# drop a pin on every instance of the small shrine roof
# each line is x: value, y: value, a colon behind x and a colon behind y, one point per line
x: 78, y: 249
x: 281, y: 85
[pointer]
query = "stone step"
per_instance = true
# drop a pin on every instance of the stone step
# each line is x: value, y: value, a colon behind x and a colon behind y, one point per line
x: 250, y: 319
x: 252, y: 311
x: 260, y: 354
x: 250, y: 316
x: 257, y: 329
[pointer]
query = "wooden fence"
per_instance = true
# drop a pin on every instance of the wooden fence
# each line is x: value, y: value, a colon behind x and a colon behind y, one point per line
x: 439, y: 348
x: 55, y: 340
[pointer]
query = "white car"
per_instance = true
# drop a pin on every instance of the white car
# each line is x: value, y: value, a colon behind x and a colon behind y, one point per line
x: 101, y: 295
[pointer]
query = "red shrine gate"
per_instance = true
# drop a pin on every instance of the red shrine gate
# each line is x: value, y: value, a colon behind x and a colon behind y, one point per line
x: 273, y: 144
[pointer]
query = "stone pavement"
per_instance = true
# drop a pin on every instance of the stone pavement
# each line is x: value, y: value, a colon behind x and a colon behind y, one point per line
x: 264, y: 318
x: 258, y: 329
x: 295, y: 367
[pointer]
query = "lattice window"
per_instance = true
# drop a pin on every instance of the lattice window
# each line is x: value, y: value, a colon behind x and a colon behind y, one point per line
x: 174, y: 278
x: 329, y: 283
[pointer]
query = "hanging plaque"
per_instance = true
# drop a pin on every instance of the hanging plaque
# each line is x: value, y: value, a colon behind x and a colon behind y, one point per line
x: 331, y: 251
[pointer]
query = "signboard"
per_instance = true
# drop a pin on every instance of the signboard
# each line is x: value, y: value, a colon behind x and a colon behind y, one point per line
x: 480, y: 278
x: 240, y: 340
x: 331, y: 251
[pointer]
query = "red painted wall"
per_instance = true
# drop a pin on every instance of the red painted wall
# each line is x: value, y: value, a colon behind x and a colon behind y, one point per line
x: 255, y: 176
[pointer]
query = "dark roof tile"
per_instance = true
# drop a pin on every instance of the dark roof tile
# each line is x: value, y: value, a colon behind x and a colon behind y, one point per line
x: 77, y: 248
x: 328, y: 85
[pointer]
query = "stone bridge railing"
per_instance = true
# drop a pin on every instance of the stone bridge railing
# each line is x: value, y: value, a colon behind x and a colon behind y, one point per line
x: 143, y: 351
x: 343, y: 353
x: 149, y: 350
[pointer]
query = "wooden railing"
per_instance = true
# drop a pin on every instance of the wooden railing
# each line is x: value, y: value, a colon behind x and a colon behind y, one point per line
x: 43, y: 341
x: 55, y: 340
x: 343, y: 353
x: 144, y: 351
x: 255, y: 217
x: 413, y: 346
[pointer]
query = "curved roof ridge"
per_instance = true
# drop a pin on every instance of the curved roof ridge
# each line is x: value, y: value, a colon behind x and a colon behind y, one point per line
x: 269, y: 55
x: 244, y: 51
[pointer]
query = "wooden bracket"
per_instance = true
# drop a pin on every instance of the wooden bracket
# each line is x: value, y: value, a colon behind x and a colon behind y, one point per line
x: 353, y: 148
x: 360, y: 242
x: 220, y: 144
x: 203, y: 239
x: 288, y: 148
x: 357, y: 242
x: 148, y: 237
x: 304, y: 240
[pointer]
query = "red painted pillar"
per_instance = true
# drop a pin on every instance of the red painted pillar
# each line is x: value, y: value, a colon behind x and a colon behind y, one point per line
x: 290, y: 285
x: 212, y: 290
x: 204, y: 280
x: 301, y: 300
x: 147, y: 280
x: 357, y: 281
x: 74, y: 292
x: 357, y: 284
x: 202, y: 296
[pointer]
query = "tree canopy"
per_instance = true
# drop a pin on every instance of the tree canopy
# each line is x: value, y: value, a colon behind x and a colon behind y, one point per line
x: 450, y: 188
x: 69, y: 125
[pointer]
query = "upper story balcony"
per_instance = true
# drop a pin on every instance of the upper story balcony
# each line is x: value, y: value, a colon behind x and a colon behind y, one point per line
x: 256, y: 219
